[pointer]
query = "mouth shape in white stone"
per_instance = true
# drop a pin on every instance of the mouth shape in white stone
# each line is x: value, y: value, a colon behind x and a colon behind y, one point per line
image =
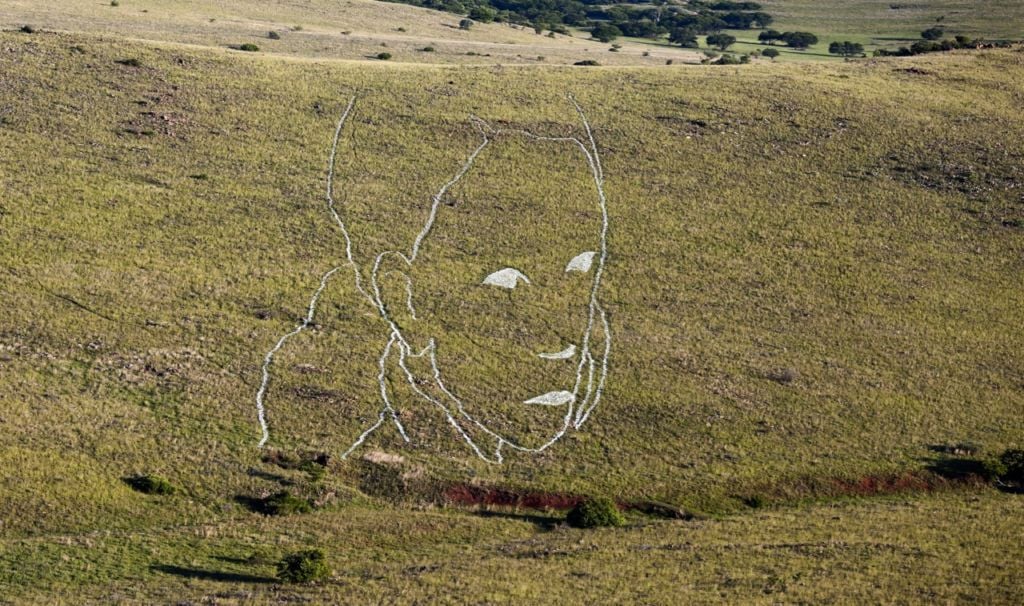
x: 552, y: 398
x: 565, y: 354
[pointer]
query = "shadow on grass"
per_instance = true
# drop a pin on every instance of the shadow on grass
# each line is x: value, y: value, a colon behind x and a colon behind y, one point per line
x: 542, y: 521
x: 958, y: 470
x: 270, y: 477
x: 253, y: 504
x: 210, y: 575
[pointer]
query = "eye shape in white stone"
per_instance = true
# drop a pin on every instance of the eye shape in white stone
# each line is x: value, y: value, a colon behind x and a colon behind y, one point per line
x: 581, y: 262
x: 506, y: 278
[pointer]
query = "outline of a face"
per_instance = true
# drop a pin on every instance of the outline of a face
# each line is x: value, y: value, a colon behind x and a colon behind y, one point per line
x: 591, y: 370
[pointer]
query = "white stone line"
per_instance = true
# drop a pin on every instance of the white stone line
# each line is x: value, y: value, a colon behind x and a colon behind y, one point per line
x: 575, y: 416
x: 330, y: 199
x: 592, y: 397
x: 262, y: 391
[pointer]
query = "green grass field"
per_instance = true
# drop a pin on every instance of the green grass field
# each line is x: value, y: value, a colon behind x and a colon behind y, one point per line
x: 813, y: 276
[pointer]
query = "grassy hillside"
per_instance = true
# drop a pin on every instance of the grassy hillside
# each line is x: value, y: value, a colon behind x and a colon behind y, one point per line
x: 813, y: 272
x: 327, y: 29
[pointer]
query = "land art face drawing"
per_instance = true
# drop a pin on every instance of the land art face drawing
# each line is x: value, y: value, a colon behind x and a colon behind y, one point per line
x: 527, y: 361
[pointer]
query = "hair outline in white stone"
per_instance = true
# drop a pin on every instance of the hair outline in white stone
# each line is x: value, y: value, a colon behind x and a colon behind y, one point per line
x: 590, y: 371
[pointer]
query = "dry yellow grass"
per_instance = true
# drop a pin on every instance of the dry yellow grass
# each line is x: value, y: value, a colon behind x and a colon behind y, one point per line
x: 322, y: 29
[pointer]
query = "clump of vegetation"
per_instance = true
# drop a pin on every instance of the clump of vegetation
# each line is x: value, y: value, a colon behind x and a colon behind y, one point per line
x: 428, y: 49
x: 931, y: 44
x: 771, y: 53
x: 755, y: 501
x: 249, y: 47
x: 1007, y: 468
x: 587, y: 62
x: 282, y: 504
x: 721, y: 41
x: 273, y: 35
x: 595, y: 512
x: 150, y: 484
x: 131, y: 62
x: 465, y: 24
x: 383, y: 56
x: 605, y: 32
x: 303, y: 567
x: 27, y: 29
x: 846, y: 49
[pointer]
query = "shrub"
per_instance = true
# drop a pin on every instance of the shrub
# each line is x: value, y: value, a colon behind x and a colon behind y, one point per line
x: 273, y: 35
x: 771, y: 53
x: 846, y: 49
x: 800, y: 40
x: 932, y: 33
x: 594, y: 513
x: 303, y: 567
x: 132, y: 62
x: 383, y: 56
x: 721, y: 41
x: 1013, y: 463
x: 249, y: 47
x: 605, y: 32
x: 428, y: 49
x: 284, y: 503
x: 465, y: 24
x: 114, y: 3
x: 587, y: 62
x: 482, y: 14
x: 28, y: 29
x: 150, y: 484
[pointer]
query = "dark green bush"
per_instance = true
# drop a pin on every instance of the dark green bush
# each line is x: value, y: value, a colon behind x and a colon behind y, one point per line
x: 587, y: 62
x: 595, y: 513
x: 249, y: 47
x: 284, y: 503
x: 383, y: 56
x: 273, y: 35
x: 150, y: 484
x: 1013, y: 466
x: 303, y: 567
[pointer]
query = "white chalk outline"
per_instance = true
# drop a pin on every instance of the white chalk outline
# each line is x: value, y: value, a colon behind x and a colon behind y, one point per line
x: 575, y: 416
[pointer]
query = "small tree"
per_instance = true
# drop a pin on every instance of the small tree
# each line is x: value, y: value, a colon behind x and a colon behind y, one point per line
x: 769, y: 36
x: 771, y: 53
x: 721, y: 41
x: 605, y: 32
x: 846, y: 49
x: 762, y: 20
x: 465, y: 24
x: 801, y: 40
x: 482, y: 14
x: 683, y: 36
x: 303, y: 567
x: 932, y: 33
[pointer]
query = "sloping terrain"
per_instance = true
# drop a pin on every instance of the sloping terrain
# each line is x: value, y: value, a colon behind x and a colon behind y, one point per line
x: 813, y: 272
x: 328, y: 29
